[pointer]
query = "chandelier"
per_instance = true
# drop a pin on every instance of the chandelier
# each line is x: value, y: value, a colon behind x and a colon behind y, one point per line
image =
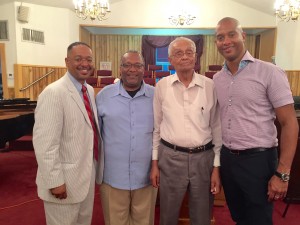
x: 182, y: 19
x: 92, y: 8
x: 287, y: 10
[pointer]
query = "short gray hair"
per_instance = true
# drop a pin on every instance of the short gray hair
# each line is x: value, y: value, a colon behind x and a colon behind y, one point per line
x: 193, y: 45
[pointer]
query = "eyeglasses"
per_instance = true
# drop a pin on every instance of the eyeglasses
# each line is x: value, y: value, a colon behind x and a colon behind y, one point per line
x: 135, y: 66
x: 180, y: 54
x: 81, y: 60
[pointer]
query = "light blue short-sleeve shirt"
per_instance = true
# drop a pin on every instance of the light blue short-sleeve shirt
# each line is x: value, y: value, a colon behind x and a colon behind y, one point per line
x: 127, y: 129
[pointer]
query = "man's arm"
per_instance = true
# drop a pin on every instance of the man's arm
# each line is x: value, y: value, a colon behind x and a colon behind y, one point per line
x: 215, y: 124
x: 157, y: 111
x: 289, y: 135
x: 288, y: 143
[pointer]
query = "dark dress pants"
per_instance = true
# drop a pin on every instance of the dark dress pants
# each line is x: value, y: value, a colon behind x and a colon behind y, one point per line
x: 245, y: 181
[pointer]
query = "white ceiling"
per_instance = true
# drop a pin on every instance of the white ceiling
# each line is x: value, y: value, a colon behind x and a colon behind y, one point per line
x: 261, y: 5
x: 265, y: 6
x: 54, y: 3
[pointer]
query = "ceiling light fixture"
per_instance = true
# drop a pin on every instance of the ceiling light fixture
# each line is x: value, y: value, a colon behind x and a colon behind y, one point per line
x: 182, y: 19
x: 287, y: 10
x: 94, y: 9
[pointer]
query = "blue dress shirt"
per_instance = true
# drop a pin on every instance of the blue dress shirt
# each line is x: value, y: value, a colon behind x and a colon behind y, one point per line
x: 126, y: 128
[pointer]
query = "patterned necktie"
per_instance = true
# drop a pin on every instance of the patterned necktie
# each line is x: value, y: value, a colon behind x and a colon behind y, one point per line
x: 91, y: 116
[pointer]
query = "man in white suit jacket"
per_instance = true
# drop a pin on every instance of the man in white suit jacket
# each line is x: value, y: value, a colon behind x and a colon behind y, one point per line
x: 63, y: 140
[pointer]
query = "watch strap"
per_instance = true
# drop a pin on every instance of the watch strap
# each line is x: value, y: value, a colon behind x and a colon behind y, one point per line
x: 283, y: 176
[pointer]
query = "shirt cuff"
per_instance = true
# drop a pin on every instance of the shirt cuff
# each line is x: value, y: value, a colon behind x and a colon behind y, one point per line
x: 217, y: 160
x: 155, y: 154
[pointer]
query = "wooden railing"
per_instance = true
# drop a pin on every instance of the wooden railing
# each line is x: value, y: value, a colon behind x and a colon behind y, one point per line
x: 36, y: 81
x: 28, y: 74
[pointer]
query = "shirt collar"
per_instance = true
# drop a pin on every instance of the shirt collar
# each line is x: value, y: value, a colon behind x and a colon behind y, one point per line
x: 247, y: 58
x: 119, y: 90
x: 76, y: 83
x: 196, y: 80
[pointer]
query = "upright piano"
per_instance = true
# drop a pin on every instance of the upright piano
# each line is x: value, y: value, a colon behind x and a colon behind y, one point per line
x: 16, y: 119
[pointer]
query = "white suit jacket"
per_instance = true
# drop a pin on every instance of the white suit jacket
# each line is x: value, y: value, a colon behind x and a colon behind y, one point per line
x: 63, y: 142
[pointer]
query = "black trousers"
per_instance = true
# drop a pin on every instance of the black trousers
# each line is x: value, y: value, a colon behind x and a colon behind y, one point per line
x: 245, y: 181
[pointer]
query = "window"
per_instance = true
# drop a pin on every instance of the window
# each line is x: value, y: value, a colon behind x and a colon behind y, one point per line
x: 162, y: 57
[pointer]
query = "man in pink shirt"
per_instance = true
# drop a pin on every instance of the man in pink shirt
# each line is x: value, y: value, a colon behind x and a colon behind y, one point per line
x: 251, y: 94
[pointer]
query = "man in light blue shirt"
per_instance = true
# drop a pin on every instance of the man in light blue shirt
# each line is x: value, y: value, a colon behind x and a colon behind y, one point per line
x: 125, y: 111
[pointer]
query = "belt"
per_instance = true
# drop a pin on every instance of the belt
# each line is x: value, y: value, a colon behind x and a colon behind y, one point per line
x: 198, y: 149
x: 248, y: 151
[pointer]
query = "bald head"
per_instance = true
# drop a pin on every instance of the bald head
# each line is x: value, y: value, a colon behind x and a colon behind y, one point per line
x: 227, y: 20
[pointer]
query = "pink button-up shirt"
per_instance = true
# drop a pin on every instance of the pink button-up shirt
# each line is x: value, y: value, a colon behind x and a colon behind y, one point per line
x: 247, y: 102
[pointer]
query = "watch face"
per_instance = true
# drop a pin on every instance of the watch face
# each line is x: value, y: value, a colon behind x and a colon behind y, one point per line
x: 285, y: 177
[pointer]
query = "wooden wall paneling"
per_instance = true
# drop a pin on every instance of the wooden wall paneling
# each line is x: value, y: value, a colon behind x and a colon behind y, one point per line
x: 17, y: 78
x: 267, y: 44
x: 37, y: 72
x: 27, y: 79
x: 110, y: 48
x: 38, y: 87
x: 294, y: 80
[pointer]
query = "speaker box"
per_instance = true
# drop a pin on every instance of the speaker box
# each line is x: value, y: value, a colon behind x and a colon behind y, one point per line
x: 23, y: 14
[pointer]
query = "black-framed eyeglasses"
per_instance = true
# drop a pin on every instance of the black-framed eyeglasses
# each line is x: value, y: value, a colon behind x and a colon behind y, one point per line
x: 136, y: 65
x: 188, y: 53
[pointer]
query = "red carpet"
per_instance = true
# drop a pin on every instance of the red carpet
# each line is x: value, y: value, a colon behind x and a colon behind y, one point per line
x: 19, y: 203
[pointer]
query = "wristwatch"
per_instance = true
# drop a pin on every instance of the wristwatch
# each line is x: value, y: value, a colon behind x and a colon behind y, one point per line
x: 285, y: 177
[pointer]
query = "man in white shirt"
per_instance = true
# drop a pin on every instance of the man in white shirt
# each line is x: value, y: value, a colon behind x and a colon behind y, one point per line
x: 187, y: 138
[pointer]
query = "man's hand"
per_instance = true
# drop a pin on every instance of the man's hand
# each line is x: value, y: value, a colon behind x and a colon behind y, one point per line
x: 277, y: 188
x: 154, y: 175
x: 59, y: 192
x: 215, y: 183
